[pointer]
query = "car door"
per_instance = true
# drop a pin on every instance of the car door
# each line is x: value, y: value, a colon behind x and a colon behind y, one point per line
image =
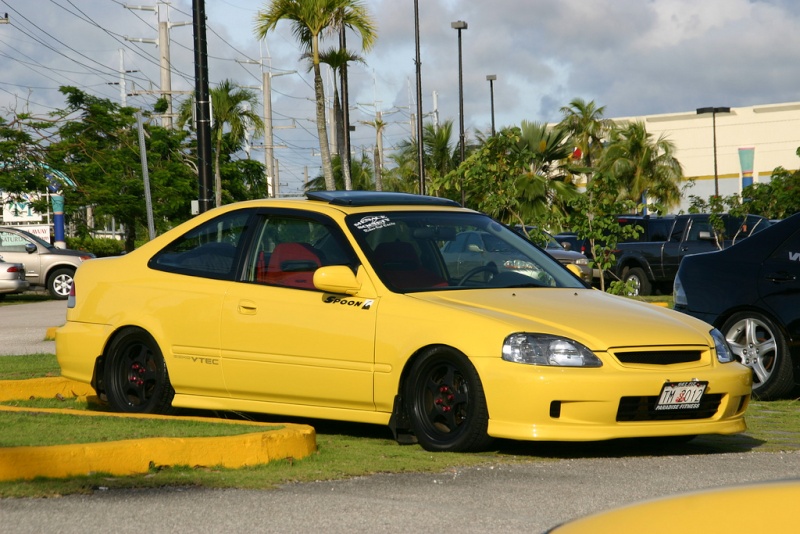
x: 12, y: 249
x: 779, y: 283
x: 282, y: 340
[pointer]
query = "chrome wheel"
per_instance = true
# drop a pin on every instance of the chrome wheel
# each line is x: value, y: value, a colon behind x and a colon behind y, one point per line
x: 759, y: 344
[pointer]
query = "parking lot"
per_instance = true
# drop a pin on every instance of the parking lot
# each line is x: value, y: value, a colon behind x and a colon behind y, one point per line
x: 24, y: 327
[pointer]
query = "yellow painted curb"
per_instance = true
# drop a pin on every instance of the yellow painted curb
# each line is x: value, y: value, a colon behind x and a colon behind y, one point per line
x: 129, y: 457
x: 48, y: 387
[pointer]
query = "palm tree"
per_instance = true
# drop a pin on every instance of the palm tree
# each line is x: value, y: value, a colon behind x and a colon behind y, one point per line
x: 547, y: 185
x: 439, y: 153
x: 309, y: 19
x: 337, y: 59
x: 233, y: 113
x: 584, y: 122
x: 643, y: 166
x: 360, y: 170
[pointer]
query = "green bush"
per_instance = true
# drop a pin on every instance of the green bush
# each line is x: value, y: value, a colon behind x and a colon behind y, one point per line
x: 99, y: 246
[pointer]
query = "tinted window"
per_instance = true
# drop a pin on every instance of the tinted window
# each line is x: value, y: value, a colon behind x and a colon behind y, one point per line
x: 677, y: 231
x: 659, y: 229
x: 209, y: 250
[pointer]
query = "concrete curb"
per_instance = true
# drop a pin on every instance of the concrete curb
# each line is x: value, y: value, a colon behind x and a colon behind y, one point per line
x: 129, y: 457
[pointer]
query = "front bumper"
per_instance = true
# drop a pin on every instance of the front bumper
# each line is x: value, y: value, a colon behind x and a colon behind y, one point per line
x: 568, y: 404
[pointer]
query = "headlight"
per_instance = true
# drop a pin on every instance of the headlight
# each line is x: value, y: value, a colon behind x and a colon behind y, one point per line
x: 582, y: 261
x: 519, y: 265
x: 678, y: 294
x: 724, y: 353
x: 543, y: 349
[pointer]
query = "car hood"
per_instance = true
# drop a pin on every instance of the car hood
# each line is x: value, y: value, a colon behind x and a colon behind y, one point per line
x: 596, y: 319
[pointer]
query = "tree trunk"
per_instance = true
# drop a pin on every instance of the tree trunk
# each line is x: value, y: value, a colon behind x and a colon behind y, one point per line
x: 322, y: 129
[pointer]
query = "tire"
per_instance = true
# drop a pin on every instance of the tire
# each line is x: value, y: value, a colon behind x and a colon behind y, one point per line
x: 641, y: 283
x: 446, y: 404
x: 759, y: 344
x: 59, y: 283
x: 135, y: 374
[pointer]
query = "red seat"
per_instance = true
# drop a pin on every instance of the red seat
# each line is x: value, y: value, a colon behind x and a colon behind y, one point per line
x: 399, y: 263
x: 293, y: 265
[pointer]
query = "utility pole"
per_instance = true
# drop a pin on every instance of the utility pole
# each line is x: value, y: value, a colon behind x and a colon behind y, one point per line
x: 269, y: 141
x: 163, y: 45
x: 202, y: 106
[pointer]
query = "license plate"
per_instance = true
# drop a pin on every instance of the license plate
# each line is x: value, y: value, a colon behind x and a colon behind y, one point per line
x: 681, y: 395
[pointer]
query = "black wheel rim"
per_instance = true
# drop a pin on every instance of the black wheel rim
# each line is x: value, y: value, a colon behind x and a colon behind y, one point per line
x: 135, y: 374
x: 443, y: 400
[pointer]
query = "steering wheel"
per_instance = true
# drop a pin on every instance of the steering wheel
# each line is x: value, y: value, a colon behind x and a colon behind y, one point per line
x: 491, y: 269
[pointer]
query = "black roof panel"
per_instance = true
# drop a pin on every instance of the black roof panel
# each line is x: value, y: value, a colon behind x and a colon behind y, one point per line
x: 378, y: 198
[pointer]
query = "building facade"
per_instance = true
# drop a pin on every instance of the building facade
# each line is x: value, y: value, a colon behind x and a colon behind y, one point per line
x: 750, y: 143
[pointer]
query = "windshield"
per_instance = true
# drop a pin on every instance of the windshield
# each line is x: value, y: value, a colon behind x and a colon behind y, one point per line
x: 418, y: 251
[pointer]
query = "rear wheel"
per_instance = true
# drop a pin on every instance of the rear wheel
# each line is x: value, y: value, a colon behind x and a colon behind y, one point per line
x: 135, y: 374
x: 759, y: 344
x: 446, y: 403
x: 59, y: 283
x: 641, y: 285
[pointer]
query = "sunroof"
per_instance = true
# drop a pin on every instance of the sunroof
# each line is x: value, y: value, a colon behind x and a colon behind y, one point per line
x: 378, y: 198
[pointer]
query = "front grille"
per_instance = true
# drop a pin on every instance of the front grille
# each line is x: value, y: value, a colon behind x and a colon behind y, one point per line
x: 643, y: 409
x: 658, y: 357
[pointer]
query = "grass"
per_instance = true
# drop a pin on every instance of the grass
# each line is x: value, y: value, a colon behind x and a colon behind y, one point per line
x: 344, y: 449
x: 28, y: 366
x: 24, y: 298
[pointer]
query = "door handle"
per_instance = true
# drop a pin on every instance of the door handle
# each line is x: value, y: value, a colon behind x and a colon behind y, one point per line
x: 247, y: 307
x: 782, y: 276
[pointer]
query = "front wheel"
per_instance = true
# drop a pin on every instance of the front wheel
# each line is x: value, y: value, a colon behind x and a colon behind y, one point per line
x: 135, y: 374
x: 446, y: 403
x: 759, y: 344
x: 59, y: 283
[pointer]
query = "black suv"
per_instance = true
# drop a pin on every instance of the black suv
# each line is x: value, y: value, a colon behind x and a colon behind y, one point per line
x: 651, y: 260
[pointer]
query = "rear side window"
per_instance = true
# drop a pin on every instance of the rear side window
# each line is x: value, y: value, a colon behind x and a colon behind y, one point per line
x: 659, y: 229
x: 210, y: 250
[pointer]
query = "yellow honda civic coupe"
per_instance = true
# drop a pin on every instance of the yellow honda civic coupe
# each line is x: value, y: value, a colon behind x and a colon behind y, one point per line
x: 348, y: 306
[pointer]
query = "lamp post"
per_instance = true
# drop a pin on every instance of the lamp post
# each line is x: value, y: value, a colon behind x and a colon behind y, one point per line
x: 458, y: 26
x: 714, y: 111
x: 491, y: 78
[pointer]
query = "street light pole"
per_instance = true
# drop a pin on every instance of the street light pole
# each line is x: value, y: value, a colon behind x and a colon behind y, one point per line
x: 458, y: 26
x: 714, y: 111
x: 491, y: 78
x: 418, y: 68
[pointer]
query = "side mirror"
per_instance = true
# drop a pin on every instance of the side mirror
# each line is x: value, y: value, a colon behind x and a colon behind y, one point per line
x: 705, y: 236
x: 30, y: 248
x: 567, y: 245
x: 337, y: 279
x: 474, y: 248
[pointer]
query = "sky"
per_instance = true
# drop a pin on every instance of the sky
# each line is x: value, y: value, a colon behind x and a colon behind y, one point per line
x: 634, y: 57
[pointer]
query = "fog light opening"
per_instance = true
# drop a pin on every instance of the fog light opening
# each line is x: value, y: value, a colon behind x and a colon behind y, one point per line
x: 555, y: 409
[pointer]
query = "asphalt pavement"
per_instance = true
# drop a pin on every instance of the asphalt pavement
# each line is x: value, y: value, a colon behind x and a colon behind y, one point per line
x: 23, y: 327
x: 526, y: 498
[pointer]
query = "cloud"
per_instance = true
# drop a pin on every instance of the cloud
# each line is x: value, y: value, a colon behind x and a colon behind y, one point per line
x: 634, y: 57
